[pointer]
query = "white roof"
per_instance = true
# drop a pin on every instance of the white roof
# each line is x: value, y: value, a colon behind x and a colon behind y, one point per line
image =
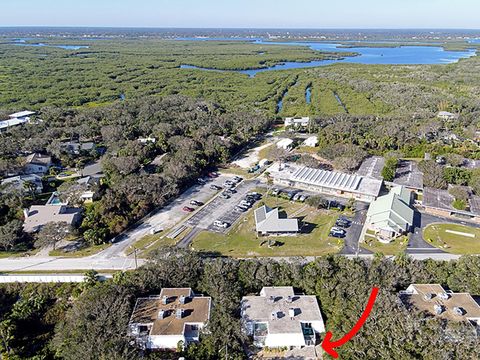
x: 22, y: 114
x: 12, y: 122
x: 304, y: 119
x: 285, y: 142
x: 268, y: 220
x: 280, y: 300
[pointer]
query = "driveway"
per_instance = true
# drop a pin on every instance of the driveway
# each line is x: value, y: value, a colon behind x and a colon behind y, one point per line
x: 354, y: 232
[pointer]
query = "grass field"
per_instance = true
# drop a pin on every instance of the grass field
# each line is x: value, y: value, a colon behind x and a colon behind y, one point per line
x: 91, y: 250
x: 437, y: 235
x: 393, y: 248
x: 243, y: 242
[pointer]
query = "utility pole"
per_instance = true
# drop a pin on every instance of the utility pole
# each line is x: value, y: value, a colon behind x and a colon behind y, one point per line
x: 135, y: 255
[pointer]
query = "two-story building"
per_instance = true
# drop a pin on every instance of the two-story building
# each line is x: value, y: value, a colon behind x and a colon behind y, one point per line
x: 173, y: 318
x: 280, y: 318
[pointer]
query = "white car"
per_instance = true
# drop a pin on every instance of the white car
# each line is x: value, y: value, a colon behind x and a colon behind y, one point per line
x: 220, y: 224
x: 156, y: 230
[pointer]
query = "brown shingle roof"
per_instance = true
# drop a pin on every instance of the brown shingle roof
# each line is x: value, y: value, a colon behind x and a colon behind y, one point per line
x: 195, y: 310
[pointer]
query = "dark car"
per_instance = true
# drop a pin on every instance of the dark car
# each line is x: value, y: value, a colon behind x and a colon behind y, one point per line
x: 188, y: 209
x: 215, y: 187
x: 344, y: 223
x: 336, y: 205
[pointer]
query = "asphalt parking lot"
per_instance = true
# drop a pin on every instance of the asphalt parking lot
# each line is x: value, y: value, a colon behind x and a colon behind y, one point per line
x: 221, y: 209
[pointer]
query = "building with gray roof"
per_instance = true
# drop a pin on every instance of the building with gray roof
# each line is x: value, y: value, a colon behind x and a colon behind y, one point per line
x: 268, y: 221
x: 281, y: 318
x: 391, y: 215
x: 327, y: 182
x: 40, y: 215
x: 439, y: 202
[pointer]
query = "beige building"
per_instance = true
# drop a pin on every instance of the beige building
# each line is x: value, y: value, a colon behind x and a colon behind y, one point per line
x: 174, y: 317
x: 438, y: 302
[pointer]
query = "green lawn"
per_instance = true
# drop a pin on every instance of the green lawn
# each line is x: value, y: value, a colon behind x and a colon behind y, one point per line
x: 91, y: 250
x: 437, y: 235
x: 393, y: 248
x: 243, y: 242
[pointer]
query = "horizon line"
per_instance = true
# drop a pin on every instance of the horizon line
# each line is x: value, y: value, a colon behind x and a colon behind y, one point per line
x: 231, y: 28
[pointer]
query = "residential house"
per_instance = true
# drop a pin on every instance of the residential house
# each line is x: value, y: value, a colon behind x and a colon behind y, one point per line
x: 285, y: 144
x: 40, y: 215
x: 37, y: 164
x: 268, y: 221
x: 93, y: 169
x: 391, y: 215
x: 434, y: 300
x: 147, y: 140
x: 22, y: 182
x: 174, y: 317
x: 280, y: 318
x: 311, y: 141
x: 16, y: 119
x: 445, y: 115
x: 326, y: 182
x: 77, y: 148
x: 440, y: 203
x: 297, y: 122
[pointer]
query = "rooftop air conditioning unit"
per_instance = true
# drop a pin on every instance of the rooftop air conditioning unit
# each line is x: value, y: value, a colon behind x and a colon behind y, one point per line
x: 161, y: 314
x: 290, y: 299
x: 428, y: 296
x: 165, y: 300
x: 444, y: 296
x: 183, y: 299
x: 291, y: 312
x: 438, y: 309
x: 271, y: 299
x: 179, y: 313
x: 458, y: 311
x: 273, y: 315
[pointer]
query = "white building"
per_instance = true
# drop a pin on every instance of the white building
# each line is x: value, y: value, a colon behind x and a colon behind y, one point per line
x: 312, y: 141
x: 297, y: 122
x: 285, y: 144
x: 37, y: 164
x: 326, y: 182
x: 268, y: 221
x: 176, y: 316
x: 279, y: 318
x: 16, y: 119
x: 391, y: 215
x: 445, y: 115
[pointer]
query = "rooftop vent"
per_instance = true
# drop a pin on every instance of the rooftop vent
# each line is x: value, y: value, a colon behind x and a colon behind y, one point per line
x: 161, y: 314
x: 183, y: 299
x: 271, y: 299
x: 165, y: 300
x: 444, y: 296
x: 179, y: 314
x: 290, y: 299
x: 428, y: 296
x: 438, y: 309
x: 458, y: 311
x: 291, y: 312
x: 273, y: 315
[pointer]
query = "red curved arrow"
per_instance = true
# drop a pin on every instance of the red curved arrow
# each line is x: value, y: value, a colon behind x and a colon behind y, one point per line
x: 329, y: 345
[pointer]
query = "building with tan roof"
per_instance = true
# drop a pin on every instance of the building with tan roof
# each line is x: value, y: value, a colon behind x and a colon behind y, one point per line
x: 280, y: 318
x: 176, y: 315
x: 438, y: 302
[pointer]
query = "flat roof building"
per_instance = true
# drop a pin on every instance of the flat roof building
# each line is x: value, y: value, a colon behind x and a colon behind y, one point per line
x: 311, y: 141
x: 281, y: 318
x: 40, y: 215
x: 16, y: 119
x: 327, y: 182
x: 176, y: 315
x: 297, y: 121
x: 285, y: 144
x: 268, y: 221
x: 391, y: 215
x: 20, y: 182
x: 439, y: 202
x: 441, y: 303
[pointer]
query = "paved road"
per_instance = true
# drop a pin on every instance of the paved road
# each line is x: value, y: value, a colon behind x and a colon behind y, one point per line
x: 62, y: 264
x: 354, y: 232
x: 166, y: 217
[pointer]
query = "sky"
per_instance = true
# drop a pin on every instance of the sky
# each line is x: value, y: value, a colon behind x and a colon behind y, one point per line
x: 386, y: 14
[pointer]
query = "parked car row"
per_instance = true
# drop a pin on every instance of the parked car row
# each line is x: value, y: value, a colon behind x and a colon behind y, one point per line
x: 290, y: 195
x: 248, y: 202
x: 338, y: 230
